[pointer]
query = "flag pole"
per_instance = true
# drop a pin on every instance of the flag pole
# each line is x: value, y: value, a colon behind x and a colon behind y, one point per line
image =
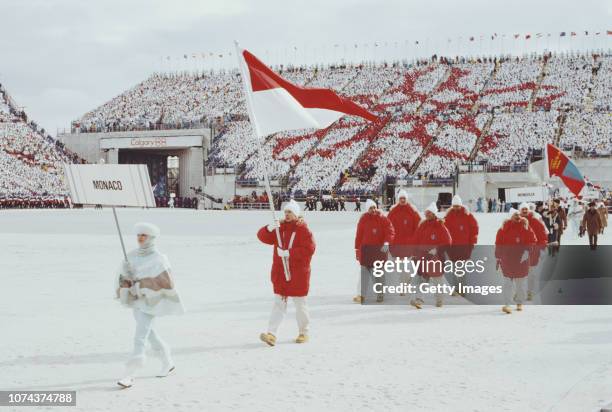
x: 120, y: 235
x: 262, y: 163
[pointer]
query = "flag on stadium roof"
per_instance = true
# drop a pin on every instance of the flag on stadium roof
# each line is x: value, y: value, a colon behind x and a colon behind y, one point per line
x: 559, y: 164
x: 277, y: 105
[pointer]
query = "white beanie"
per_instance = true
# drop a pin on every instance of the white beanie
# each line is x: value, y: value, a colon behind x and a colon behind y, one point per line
x: 369, y: 203
x: 433, y: 208
x: 456, y: 201
x: 148, y: 229
x: 402, y: 193
x: 524, y: 205
x: 512, y: 211
x: 292, y: 206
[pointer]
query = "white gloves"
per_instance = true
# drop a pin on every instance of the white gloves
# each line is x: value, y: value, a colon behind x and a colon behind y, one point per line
x: 432, y: 251
x: 525, y: 256
x: 272, y: 227
x: 282, y: 252
x: 135, y: 289
x: 385, y: 248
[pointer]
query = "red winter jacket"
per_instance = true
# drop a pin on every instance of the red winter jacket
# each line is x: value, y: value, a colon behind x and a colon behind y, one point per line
x: 539, y: 229
x: 301, y: 249
x: 462, y: 226
x: 513, y: 240
x: 431, y: 234
x: 405, y: 219
x: 373, y: 230
x: 463, y: 229
x: 541, y: 233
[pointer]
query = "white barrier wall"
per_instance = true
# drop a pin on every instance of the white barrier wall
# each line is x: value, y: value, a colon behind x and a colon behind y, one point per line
x: 221, y: 185
x: 422, y: 197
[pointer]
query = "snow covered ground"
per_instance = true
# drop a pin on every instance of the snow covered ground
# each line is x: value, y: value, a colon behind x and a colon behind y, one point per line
x: 60, y: 328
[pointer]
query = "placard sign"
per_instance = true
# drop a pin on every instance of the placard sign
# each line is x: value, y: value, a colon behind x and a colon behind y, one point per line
x: 527, y: 194
x: 110, y: 185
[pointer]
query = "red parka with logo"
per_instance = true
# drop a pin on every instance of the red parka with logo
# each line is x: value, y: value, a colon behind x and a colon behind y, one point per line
x: 405, y: 220
x: 432, y: 234
x: 463, y: 229
x: 514, y: 245
x: 373, y: 231
x: 297, y: 238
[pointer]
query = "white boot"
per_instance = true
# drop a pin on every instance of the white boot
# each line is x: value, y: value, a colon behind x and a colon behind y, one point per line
x: 167, y: 364
x: 132, y: 366
x: 126, y: 382
x: 167, y: 369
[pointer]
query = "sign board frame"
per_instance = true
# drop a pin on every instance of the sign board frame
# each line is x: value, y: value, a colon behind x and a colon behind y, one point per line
x: 110, y: 185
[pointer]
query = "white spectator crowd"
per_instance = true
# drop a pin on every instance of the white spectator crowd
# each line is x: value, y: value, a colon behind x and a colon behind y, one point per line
x: 433, y: 113
x: 30, y: 162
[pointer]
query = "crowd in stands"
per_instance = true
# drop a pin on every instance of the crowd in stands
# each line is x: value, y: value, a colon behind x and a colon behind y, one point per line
x: 176, y: 101
x: 602, y: 86
x: 514, y: 135
x: 35, y: 202
x: 433, y: 114
x: 591, y: 132
x: 31, y: 173
x: 446, y: 111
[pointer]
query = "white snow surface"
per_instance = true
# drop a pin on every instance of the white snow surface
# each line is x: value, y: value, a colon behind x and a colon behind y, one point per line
x: 61, y: 329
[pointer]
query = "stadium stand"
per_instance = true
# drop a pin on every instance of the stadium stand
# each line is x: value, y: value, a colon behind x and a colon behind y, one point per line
x: 433, y: 114
x: 30, y: 161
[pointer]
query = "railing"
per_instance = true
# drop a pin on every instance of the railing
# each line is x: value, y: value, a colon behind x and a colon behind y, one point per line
x: 488, y: 168
x: 135, y: 128
x: 429, y: 182
x: 250, y: 206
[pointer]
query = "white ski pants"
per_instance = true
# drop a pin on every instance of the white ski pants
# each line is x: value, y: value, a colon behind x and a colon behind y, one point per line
x: 145, y: 332
x: 279, y: 310
x: 514, y: 290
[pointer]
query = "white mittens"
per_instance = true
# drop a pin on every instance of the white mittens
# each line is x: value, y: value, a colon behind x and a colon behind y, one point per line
x: 135, y: 289
x: 282, y: 252
x: 525, y: 256
x: 272, y: 227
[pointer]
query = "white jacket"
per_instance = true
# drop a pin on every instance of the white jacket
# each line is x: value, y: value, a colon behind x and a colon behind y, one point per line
x: 154, y: 290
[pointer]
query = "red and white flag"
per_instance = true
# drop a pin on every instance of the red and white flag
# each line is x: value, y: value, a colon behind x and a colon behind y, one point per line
x: 276, y: 105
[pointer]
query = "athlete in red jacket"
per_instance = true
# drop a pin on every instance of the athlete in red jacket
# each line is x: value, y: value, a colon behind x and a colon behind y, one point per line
x: 431, y: 239
x: 405, y: 219
x: 297, y: 247
x: 374, y: 235
x: 463, y: 229
x: 513, y: 245
x: 538, y: 227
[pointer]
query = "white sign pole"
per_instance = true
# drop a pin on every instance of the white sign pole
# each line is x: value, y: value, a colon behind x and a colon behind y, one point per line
x: 120, y: 236
x: 247, y: 96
